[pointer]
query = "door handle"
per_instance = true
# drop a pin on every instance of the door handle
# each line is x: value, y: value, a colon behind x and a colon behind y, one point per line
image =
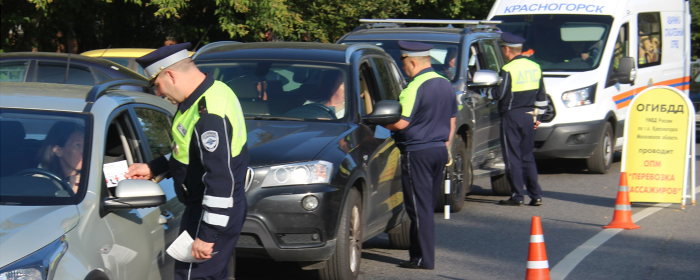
x: 165, y: 216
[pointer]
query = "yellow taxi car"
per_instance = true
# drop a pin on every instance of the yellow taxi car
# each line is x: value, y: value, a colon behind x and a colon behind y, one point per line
x: 124, y: 56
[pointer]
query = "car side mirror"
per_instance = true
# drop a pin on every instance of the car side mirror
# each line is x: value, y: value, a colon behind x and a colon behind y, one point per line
x: 132, y: 194
x: 385, y: 112
x: 626, y: 72
x: 485, y: 78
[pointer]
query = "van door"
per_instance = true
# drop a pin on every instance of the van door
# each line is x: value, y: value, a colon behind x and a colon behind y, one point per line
x: 621, y: 94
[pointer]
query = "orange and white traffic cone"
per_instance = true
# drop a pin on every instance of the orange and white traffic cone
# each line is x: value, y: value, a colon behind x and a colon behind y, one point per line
x: 537, y: 264
x: 622, y: 218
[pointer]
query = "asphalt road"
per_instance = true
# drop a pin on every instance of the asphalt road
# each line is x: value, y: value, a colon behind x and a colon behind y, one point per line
x: 488, y: 241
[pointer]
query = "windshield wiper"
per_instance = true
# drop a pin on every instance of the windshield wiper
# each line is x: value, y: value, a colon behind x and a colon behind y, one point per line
x: 273, y: 118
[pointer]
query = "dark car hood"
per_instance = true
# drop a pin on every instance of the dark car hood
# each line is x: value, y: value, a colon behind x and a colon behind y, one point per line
x: 275, y: 142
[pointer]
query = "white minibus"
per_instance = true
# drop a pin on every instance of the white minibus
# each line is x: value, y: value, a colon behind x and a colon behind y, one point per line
x: 595, y: 56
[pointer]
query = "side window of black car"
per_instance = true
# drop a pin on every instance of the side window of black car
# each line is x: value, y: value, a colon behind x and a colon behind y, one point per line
x: 387, y: 84
x: 55, y: 72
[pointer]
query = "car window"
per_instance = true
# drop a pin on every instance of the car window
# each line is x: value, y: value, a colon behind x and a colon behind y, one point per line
x: 445, y: 57
x: 13, y: 71
x: 55, y: 72
x: 43, y: 155
x: 387, y: 84
x: 649, y: 39
x: 313, y: 92
x: 156, y: 127
x: 476, y: 60
x: 491, y: 56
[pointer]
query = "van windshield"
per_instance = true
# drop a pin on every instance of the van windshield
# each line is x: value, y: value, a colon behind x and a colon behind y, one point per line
x: 561, y: 42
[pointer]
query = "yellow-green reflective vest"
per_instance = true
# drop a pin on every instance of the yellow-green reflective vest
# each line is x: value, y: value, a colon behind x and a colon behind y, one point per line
x: 525, y: 74
x: 220, y: 101
x: 408, y: 95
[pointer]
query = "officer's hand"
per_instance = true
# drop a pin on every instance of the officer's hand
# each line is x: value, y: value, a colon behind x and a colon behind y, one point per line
x: 202, y: 250
x: 139, y: 171
x: 537, y: 123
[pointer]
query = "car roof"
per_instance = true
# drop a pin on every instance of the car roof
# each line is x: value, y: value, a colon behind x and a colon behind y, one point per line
x: 433, y: 34
x: 54, y: 97
x: 97, y: 63
x: 120, y: 52
x: 279, y: 51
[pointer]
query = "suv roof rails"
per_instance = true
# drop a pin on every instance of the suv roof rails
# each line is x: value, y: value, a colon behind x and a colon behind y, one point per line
x: 378, y: 25
x: 101, y: 88
x: 352, y: 48
x: 472, y: 25
x: 214, y: 44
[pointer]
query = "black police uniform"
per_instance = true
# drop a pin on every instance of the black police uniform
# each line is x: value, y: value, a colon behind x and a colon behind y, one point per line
x: 520, y: 92
x: 428, y: 104
x: 208, y: 165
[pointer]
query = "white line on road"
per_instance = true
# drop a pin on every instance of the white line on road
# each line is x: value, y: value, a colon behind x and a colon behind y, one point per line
x: 566, y: 265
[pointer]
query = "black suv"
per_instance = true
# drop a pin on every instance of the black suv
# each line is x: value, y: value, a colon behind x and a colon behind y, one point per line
x: 461, y: 55
x: 324, y: 175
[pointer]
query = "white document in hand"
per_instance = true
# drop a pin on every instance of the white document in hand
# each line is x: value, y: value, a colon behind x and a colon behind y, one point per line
x: 114, y: 172
x: 181, y: 249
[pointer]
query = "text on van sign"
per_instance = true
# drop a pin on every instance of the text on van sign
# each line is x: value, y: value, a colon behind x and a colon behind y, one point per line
x: 554, y: 7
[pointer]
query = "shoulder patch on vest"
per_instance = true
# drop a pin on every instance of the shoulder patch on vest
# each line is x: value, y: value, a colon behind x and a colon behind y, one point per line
x: 210, y: 140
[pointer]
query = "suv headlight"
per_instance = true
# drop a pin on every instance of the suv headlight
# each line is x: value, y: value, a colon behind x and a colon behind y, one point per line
x: 579, y: 97
x: 40, y: 265
x: 314, y: 172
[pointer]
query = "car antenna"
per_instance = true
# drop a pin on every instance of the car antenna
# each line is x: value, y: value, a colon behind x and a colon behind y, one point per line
x: 200, y: 39
x: 65, y: 80
x: 103, y: 53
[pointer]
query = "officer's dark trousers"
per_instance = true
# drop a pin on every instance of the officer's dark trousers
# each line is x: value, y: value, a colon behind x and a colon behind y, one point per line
x: 421, y: 178
x: 215, y: 268
x: 518, y: 143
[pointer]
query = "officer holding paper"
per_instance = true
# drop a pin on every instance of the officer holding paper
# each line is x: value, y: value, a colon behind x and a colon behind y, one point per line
x: 208, y: 162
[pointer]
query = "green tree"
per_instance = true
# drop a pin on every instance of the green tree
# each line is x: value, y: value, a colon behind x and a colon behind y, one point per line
x: 695, y: 28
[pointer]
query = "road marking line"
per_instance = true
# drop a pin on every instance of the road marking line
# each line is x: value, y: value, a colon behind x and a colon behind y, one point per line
x: 566, y: 265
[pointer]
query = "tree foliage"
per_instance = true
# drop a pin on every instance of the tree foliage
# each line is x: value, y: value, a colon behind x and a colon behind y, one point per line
x: 49, y: 25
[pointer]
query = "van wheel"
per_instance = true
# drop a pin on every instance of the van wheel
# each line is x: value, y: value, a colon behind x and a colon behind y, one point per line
x: 400, y: 237
x: 500, y: 185
x: 460, y: 176
x: 345, y: 262
x: 601, y: 159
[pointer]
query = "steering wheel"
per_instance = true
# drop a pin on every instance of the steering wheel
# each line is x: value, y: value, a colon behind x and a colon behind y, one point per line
x: 312, y: 111
x: 38, y: 171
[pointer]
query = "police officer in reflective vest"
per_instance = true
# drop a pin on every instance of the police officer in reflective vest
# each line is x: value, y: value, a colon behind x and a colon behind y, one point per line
x: 429, y: 109
x: 521, y: 101
x: 208, y: 162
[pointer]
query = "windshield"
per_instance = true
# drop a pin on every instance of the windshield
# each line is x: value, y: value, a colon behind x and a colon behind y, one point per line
x: 444, y: 57
x: 284, y: 91
x: 42, y: 157
x: 561, y: 42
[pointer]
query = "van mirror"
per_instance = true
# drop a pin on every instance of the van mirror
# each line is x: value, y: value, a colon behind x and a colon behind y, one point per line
x: 626, y: 73
x: 385, y: 112
x: 132, y: 194
x: 485, y: 78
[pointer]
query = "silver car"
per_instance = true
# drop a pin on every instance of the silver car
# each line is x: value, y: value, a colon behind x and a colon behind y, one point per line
x: 61, y: 217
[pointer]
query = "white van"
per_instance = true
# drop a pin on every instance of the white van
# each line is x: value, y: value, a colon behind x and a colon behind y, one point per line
x: 595, y: 56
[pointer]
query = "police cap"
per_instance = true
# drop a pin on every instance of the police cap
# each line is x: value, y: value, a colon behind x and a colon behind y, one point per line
x: 156, y: 61
x: 414, y: 49
x: 511, y: 40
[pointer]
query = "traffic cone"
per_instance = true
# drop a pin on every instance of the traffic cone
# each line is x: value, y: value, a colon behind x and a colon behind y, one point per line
x: 622, y: 218
x: 537, y: 264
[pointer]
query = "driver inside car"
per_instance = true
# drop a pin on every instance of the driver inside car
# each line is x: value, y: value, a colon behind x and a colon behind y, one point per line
x: 332, y: 91
x: 62, y: 152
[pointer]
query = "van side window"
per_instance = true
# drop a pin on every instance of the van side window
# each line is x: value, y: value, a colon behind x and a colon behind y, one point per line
x: 649, y: 26
x: 621, y: 50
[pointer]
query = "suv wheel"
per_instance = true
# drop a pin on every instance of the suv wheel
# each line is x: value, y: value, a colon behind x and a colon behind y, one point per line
x: 601, y: 159
x: 345, y: 262
x: 500, y: 185
x: 460, y: 176
x: 400, y: 236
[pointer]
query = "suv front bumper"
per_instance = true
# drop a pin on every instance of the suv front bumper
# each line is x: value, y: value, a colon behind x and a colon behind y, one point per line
x: 278, y: 228
x: 577, y: 140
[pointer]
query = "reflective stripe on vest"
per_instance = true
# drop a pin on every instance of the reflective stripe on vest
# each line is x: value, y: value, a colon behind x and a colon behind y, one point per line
x: 408, y: 95
x: 525, y: 74
x: 220, y: 101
